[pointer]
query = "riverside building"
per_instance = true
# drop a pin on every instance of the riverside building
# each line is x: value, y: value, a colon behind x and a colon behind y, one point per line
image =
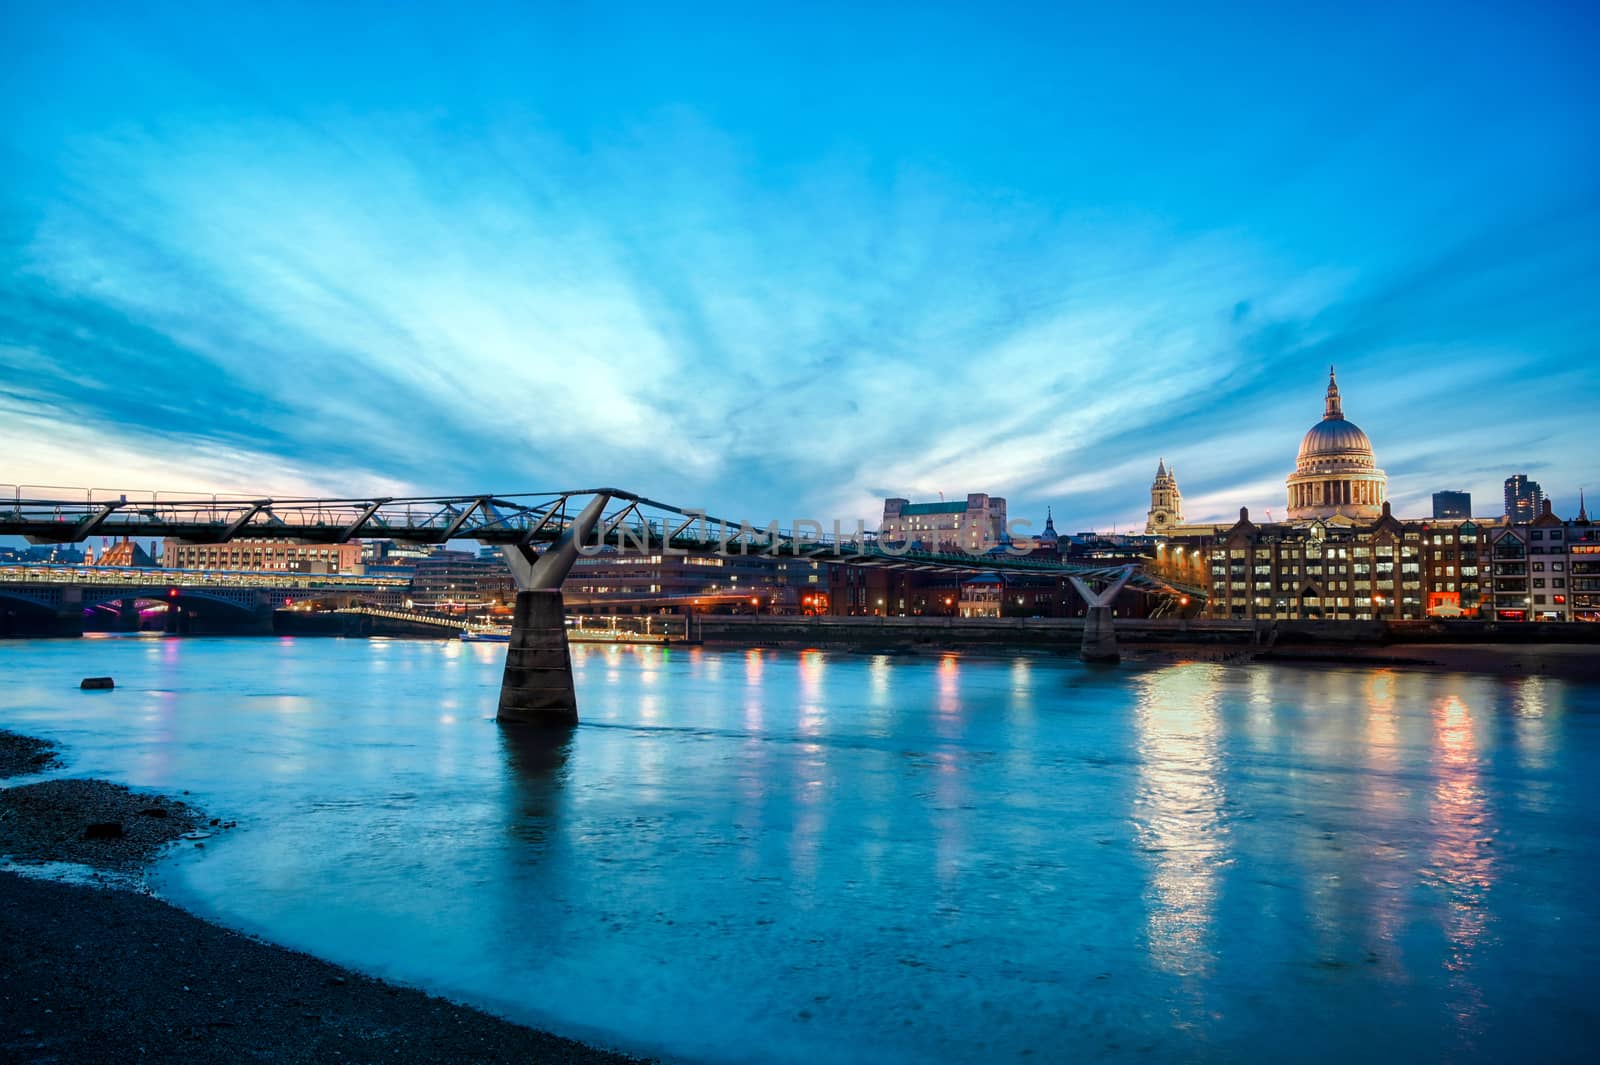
x: 1546, y: 570
x: 1322, y: 570
x: 724, y: 583
x: 263, y: 556
x: 1342, y: 554
x: 971, y: 528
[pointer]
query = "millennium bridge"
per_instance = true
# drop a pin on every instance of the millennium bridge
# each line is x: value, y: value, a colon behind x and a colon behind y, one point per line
x: 541, y: 535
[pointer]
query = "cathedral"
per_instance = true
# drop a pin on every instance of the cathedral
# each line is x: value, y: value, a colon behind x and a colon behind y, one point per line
x: 1335, y: 475
x: 1336, y: 480
x: 1338, y: 552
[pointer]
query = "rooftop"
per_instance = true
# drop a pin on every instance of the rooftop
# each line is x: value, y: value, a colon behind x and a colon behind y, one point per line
x: 934, y: 508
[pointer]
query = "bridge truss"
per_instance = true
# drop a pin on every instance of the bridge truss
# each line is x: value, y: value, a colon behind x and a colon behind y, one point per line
x: 524, y: 523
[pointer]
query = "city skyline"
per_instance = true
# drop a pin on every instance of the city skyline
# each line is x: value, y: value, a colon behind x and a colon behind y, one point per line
x: 785, y: 269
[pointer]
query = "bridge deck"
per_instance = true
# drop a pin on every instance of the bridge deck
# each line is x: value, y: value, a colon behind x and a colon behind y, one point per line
x: 631, y: 523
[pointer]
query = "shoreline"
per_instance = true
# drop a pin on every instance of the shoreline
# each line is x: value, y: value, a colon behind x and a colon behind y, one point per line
x: 1573, y: 660
x: 95, y: 968
x: 1578, y: 662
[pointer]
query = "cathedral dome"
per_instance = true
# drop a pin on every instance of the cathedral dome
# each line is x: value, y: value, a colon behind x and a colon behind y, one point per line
x: 1335, y: 438
x: 1335, y: 472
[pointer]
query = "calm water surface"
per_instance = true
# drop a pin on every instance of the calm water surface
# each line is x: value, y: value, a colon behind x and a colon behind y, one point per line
x: 807, y: 857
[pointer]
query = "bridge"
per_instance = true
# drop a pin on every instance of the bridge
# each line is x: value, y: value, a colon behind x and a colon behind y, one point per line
x: 66, y: 591
x: 541, y: 535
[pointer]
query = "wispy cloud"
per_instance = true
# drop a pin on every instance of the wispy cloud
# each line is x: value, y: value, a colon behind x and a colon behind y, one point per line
x: 249, y: 288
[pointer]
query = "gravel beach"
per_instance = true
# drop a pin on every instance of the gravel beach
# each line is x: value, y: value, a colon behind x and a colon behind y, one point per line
x: 91, y: 975
x: 90, y: 822
x: 21, y: 754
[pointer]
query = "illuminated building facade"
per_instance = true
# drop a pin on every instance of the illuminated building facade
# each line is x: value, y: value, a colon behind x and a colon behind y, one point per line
x: 721, y: 583
x: 1332, y: 570
x: 1547, y: 569
x: 126, y: 554
x: 1524, y: 499
x: 263, y: 556
x: 461, y: 582
x: 972, y: 527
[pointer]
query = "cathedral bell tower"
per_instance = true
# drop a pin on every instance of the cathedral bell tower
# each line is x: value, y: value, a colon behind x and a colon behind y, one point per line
x: 1166, y: 502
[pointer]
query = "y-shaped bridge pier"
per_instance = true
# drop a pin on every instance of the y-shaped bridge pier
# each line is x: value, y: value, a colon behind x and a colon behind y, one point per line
x: 1099, y: 625
x: 537, y: 686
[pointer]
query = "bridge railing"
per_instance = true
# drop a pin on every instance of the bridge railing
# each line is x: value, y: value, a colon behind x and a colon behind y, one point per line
x: 634, y: 522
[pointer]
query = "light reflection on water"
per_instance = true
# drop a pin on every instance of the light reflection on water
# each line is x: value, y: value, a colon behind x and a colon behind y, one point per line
x: 1178, y: 813
x: 1462, y: 865
x: 771, y: 856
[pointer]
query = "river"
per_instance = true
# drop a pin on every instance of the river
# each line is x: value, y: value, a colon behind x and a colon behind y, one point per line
x: 822, y: 857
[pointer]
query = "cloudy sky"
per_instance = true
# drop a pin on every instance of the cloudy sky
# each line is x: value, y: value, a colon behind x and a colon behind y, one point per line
x: 784, y: 262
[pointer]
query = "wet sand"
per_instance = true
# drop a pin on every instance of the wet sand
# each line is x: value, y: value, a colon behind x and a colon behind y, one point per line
x: 90, y: 974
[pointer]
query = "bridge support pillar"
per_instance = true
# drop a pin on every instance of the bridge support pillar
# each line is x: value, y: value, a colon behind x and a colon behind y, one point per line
x: 537, y: 686
x: 68, y: 620
x: 1099, y: 636
x: 262, y: 622
x: 1099, y: 626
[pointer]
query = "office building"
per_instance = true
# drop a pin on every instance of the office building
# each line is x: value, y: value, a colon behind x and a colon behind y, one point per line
x: 1452, y: 505
x: 1524, y: 499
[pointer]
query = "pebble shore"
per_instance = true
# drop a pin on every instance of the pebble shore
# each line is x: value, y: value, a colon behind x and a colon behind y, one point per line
x: 21, y: 754
x: 91, y: 975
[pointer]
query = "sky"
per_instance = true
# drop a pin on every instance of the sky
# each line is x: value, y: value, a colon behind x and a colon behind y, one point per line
x: 784, y: 261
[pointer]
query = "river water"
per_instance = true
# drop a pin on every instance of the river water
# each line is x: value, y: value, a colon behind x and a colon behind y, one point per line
x: 818, y: 857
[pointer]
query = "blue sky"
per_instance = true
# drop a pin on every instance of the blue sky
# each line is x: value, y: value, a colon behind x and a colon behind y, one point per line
x: 783, y: 263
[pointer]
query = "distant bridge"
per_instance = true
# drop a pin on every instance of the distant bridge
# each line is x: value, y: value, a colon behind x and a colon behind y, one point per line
x: 66, y: 591
x: 453, y: 623
x: 541, y: 535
